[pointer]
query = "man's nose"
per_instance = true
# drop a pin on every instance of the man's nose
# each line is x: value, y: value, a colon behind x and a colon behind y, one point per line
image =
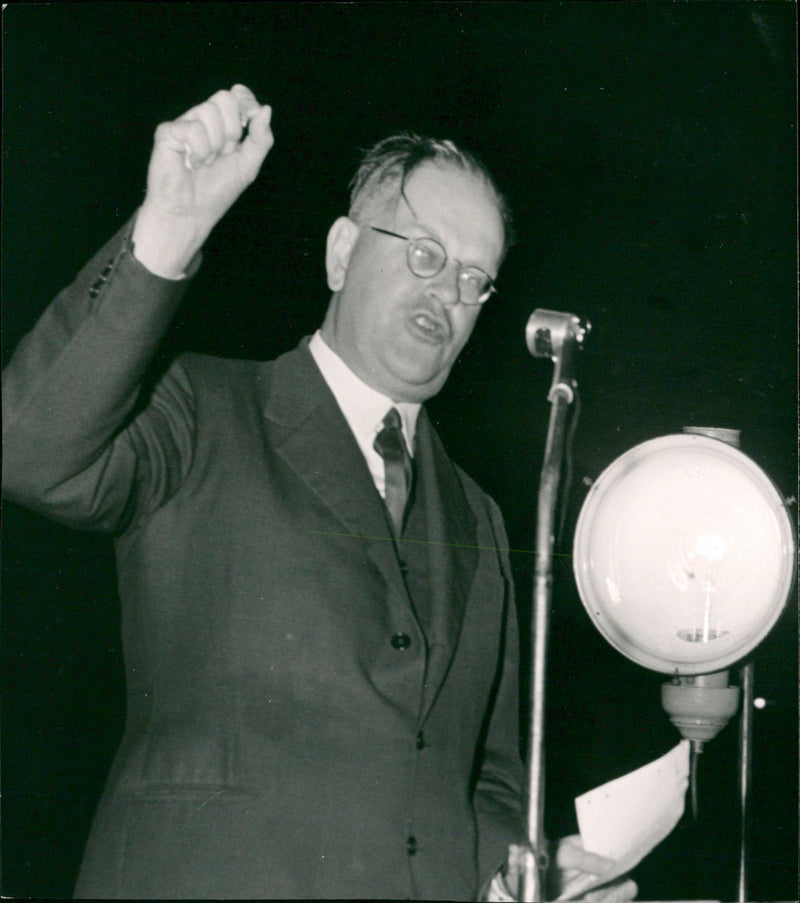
x: 444, y: 285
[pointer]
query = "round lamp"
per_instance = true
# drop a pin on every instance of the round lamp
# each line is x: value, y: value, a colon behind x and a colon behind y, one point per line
x: 684, y: 554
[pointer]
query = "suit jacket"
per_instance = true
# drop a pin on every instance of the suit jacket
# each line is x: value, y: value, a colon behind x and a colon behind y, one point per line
x: 290, y: 730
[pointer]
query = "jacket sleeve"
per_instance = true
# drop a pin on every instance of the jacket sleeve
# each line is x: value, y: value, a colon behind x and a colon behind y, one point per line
x: 75, y: 449
x: 499, y: 791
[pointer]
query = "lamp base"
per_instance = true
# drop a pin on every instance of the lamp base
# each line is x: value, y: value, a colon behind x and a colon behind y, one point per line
x: 700, y: 706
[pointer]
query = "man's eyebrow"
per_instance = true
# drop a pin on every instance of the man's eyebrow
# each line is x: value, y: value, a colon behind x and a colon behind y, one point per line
x: 421, y: 226
x: 429, y: 230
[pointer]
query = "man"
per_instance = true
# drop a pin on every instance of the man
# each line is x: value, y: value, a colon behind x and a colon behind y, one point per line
x: 321, y: 677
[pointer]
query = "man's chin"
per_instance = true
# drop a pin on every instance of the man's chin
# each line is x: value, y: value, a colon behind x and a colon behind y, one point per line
x: 416, y: 389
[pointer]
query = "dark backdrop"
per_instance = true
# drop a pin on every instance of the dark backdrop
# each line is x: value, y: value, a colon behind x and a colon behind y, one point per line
x: 649, y: 152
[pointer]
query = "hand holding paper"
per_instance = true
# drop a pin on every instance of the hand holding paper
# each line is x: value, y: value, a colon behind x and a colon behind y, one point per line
x: 588, y: 876
x: 625, y: 819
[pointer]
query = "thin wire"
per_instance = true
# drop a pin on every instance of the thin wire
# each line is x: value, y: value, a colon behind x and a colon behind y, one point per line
x: 697, y: 748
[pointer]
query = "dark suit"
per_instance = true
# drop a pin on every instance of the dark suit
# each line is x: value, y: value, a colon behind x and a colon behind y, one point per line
x: 291, y: 731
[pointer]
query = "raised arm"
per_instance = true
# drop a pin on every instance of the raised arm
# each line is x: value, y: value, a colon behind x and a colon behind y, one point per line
x: 75, y: 445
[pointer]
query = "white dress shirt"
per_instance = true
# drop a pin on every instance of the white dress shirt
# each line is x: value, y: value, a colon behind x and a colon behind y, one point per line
x: 363, y: 407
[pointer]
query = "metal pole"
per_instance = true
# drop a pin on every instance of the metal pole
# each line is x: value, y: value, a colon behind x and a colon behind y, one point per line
x: 542, y: 594
x: 745, y: 770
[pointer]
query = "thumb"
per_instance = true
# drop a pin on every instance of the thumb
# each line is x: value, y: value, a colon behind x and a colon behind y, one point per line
x: 259, y: 138
x: 259, y: 135
x: 572, y: 856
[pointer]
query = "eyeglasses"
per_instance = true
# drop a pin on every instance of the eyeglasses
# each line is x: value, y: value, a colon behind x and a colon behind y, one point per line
x: 426, y: 257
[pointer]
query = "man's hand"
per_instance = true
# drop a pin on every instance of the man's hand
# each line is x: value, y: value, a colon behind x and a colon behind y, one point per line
x: 587, y: 876
x: 201, y: 163
x: 577, y: 875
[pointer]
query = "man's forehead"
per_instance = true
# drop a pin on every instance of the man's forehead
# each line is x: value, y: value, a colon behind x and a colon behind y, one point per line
x: 448, y: 195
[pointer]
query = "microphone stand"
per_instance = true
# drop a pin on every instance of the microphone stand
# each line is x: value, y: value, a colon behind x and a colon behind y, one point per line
x: 557, y: 336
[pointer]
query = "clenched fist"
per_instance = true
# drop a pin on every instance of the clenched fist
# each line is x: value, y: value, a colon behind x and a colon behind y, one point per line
x: 201, y: 162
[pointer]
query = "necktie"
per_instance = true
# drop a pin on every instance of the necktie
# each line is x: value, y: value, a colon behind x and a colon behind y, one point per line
x: 391, y: 446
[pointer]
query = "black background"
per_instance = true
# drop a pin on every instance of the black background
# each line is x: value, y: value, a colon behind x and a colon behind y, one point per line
x: 649, y: 151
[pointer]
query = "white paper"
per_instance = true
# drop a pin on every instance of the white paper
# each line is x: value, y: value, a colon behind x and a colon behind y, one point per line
x: 626, y: 818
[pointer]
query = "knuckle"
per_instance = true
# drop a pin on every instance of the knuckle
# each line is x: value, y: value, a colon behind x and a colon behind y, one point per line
x: 209, y: 111
x: 220, y: 115
x: 196, y: 130
x: 190, y: 114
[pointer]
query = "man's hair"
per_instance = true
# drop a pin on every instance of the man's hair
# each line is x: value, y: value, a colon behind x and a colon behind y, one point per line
x: 394, y: 159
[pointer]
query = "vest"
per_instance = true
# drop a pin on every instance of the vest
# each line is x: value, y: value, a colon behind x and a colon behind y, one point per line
x: 413, y: 556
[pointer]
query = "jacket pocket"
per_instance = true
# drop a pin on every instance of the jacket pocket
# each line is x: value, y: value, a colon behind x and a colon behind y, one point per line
x: 186, y: 758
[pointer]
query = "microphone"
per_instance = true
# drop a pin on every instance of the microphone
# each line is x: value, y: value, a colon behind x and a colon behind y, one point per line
x: 555, y: 334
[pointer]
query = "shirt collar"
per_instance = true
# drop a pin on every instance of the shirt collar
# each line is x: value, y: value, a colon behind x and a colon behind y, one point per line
x: 363, y: 407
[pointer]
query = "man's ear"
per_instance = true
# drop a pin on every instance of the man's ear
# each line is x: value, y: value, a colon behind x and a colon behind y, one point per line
x: 342, y: 237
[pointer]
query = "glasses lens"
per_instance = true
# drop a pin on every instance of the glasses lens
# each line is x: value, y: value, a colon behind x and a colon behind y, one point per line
x: 426, y: 256
x: 474, y: 286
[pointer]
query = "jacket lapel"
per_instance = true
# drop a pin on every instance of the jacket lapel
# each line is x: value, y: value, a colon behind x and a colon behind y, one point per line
x: 453, y: 553
x: 312, y: 436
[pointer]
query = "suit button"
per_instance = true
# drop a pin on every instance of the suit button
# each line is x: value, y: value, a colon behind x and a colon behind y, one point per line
x: 421, y: 740
x: 411, y: 846
x: 401, y: 641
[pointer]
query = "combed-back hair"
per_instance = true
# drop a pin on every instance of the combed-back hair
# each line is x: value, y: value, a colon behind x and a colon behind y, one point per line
x: 394, y: 159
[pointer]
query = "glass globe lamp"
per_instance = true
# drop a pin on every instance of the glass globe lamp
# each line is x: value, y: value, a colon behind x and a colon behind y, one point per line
x: 684, y: 558
x: 684, y: 554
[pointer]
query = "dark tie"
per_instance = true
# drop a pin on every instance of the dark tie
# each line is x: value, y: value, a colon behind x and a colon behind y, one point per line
x: 391, y: 446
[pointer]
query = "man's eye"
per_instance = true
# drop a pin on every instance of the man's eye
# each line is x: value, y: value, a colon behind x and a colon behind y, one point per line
x: 474, y: 280
x: 424, y: 255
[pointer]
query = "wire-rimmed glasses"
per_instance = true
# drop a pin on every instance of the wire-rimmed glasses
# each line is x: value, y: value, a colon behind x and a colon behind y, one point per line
x: 426, y: 257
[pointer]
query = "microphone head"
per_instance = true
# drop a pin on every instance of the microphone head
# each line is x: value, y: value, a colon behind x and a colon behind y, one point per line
x: 548, y: 330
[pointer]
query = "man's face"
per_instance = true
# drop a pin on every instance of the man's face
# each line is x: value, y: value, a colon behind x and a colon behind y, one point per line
x: 400, y: 333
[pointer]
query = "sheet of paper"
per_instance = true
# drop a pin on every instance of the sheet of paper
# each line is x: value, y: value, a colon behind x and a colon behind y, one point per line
x: 626, y: 818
